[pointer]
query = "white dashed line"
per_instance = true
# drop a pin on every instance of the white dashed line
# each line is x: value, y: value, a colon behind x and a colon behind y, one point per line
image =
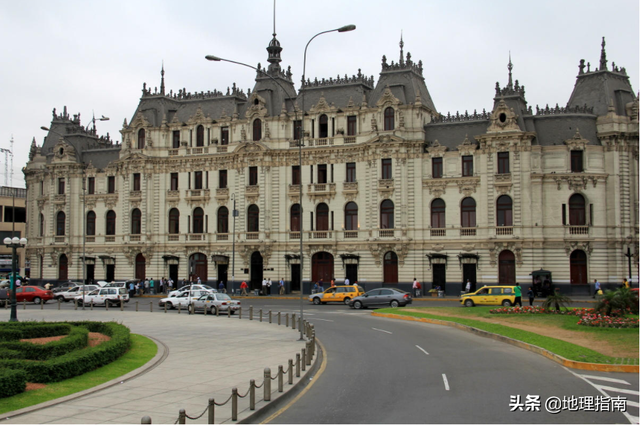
x: 324, y: 320
x: 381, y: 330
x: 422, y: 349
x: 604, y: 378
x: 446, y: 383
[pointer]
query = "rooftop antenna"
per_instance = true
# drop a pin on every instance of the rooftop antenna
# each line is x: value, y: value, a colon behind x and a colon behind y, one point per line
x: 274, y: 18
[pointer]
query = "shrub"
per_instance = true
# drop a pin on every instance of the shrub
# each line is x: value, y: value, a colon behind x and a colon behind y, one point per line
x: 77, y: 339
x: 13, y: 382
x: 13, y: 331
x: 556, y: 300
x: 620, y: 302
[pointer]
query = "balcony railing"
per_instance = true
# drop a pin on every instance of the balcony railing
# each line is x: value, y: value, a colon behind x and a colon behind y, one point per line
x: 438, y: 232
x: 252, y: 236
x: 324, y: 234
x: 59, y: 239
x: 350, y: 234
x: 222, y: 236
x: 294, y: 235
x: 134, y: 238
x: 90, y: 239
x: 109, y: 239
x: 173, y: 194
x: 197, y: 237
x: 173, y: 152
x: 504, y: 230
x: 578, y: 230
x: 173, y: 238
x: 348, y: 140
x: 388, y: 233
x: 468, y: 231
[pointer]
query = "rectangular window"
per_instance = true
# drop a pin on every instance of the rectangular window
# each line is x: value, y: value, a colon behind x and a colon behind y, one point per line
x: 224, y: 135
x: 176, y: 139
x: 197, y: 180
x: 253, y: 176
x: 297, y: 130
x: 111, y: 184
x: 351, y: 172
x: 222, y: 177
x: 136, y: 181
x: 436, y: 168
x: 61, y: 186
x: 295, y: 174
x: 590, y: 214
x: 351, y: 125
x: 331, y: 173
x: 322, y: 173
x: 576, y: 162
x: 174, y: 181
x: 41, y: 188
x: 564, y: 214
x: 467, y: 166
x: 503, y: 163
x: 386, y: 169
x: 92, y: 186
x: 311, y: 175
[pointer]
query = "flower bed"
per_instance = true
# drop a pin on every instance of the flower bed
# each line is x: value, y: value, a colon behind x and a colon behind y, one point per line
x: 588, y: 316
x: 600, y: 321
x: 540, y: 310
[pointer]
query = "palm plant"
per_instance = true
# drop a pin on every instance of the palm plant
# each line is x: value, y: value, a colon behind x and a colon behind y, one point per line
x: 618, y: 302
x: 556, y: 300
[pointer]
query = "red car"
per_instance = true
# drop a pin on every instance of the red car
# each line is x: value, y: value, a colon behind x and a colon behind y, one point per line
x: 33, y: 294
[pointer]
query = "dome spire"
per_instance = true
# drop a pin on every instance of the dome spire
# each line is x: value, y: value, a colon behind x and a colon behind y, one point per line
x: 603, y: 57
x: 401, y: 49
x: 162, y: 79
x: 274, y: 48
x: 510, y: 67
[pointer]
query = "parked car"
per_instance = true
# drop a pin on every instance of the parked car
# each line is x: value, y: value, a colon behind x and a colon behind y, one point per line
x: 184, y: 298
x: 213, y: 302
x: 192, y: 288
x: 381, y: 298
x: 6, y: 283
x: 33, y: 294
x: 337, y: 294
x: 490, y: 295
x: 115, y: 284
x: 71, y: 293
x: 114, y: 296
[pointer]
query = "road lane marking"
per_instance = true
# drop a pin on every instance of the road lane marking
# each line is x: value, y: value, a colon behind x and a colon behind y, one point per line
x: 446, y: 383
x: 324, y: 320
x: 604, y: 378
x: 382, y: 330
x: 422, y: 349
x: 617, y: 390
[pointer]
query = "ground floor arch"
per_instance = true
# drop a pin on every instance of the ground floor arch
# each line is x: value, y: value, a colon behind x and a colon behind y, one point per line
x: 578, y: 267
x: 198, y: 267
x: 322, y: 267
x: 506, y: 268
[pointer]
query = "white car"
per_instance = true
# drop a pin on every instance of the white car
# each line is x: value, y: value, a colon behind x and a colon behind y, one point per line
x: 113, y: 296
x: 71, y: 293
x: 193, y: 288
x: 216, y: 302
x: 183, y: 299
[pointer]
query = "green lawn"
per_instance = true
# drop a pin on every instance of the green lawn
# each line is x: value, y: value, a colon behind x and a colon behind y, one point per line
x: 141, y: 351
x: 625, y: 339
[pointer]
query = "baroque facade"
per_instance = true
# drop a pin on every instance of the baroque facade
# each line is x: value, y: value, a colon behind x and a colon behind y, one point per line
x: 392, y: 189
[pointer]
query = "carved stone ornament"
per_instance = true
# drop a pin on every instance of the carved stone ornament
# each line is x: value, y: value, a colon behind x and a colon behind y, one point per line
x: 585, y: 246
x: 198, y: 118
x: 467, y: 186
x: 257, y: 108
x: 577, y: 142
x: 387, y: 99
x: 64, y: 152
x: 437, y: 187
x: 503, y: 119
x: 576, y: 183
x: 436, y: 150
x: 498, y: 247
x: 467, y: 147
x: 321, y: 107
x: 378, y: 251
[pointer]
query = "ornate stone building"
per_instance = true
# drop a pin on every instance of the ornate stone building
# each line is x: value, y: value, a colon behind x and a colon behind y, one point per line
x: 391, y: 188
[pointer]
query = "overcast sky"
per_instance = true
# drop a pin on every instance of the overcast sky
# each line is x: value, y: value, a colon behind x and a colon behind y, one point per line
x: 95, y: 55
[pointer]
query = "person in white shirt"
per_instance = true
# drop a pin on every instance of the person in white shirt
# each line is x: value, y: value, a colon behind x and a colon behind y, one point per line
x: 346, y: 281
x: 468, y: 287
x: 264, y: 286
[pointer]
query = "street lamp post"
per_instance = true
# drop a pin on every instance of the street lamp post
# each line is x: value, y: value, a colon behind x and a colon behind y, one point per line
x: 233, y: 249
x: 14, y: 243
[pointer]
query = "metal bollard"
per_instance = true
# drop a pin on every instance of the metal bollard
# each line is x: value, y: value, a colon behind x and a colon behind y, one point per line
x: 279, y: 321
x: 212, y: 411
x: 106, y: 305
x: 41, y: 304
x: 182, y: 416
x: 280, y: 379
x: 91, y: 305
x: 146, y: 420
x: 261, y: 315
x: 297, y: 365
x: 293, y: 321
x: 58, y: 303
x: 217, y: 312
x: 229, y: 312
x: 286, y: 320
x: 136, y: 305
x: 250, y: 312
x: 304, y: 359
x: 234, y: 404
x: 252, y: 394
x: 290, y: 372
x: 269, y: 316
x: 75, y: 301
x: 121, y: 304
x: 308, y: 353
x: 179, y: 305
x: 240, y: 313
x: 205, y: 310
x: 165, y: 307
x: 151, y: 307
x: 267, y: 384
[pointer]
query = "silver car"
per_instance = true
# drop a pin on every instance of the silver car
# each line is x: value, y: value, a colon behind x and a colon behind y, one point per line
x: 383, y: 297
x: 216, y: 302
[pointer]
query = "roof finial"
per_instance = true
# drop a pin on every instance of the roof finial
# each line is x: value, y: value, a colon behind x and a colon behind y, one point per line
x: 510, y: 67
x: 603, y: 57
x: 162, y: 79
x: 401, y: 46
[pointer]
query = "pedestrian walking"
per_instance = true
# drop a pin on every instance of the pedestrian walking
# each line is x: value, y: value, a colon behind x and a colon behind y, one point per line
x: 416, y: 289
x: 268, y: 286
x: 467, y: 288
x: 264, y: 286
x: 199, y: 282
x: 596, y: 289
x: 152, y: 287
x: 346, y: 281
x: 333, y: 283
x: 518, y: 291
x: 222, y: 288
x: 146, y: 286
x: 170, y: 285
x: 132, y: 289
x: 244, y: 287
x: 531, y: 295
x: 625, y: 283
x: 320, y: 286
x: 281, y: 286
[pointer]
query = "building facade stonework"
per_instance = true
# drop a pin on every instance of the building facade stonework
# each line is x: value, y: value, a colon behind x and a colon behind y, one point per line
x: 392, y: 189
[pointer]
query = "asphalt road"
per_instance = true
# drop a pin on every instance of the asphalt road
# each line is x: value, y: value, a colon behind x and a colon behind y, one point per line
x: 386, y: 371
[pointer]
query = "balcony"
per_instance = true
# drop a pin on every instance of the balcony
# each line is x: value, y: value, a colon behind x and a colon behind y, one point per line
x: 90, y: 239
x: 59, y: 239
x: 387, y: 233
x: 173, y: 194
x: 294, y: 235
x: 350, y: 234
x: 504, y: 231
x: 135, y: 195
x: 134, y: 238
x: 198, y: 195
x: 350, y: 188
x: 109, y: 239
x: 468, y: 231
x: 578, y: 230
x: 321, y: 190
x: 222, y: 236
x: 222, y: 149
x: 438, y: 233
x: 252, y: 236
x: 197, y: 151
x: 324, y: 234
x: 222, y: 193
x: 349, y: 140
x: 173, y: 238
x: 173, y: 152
x: 385, y: 187
x: 196, y: 237
x: 59, y: 199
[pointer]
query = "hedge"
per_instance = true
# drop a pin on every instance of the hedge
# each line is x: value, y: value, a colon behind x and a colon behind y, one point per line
x: 14, y: 331
x: 13, y: 382
x: 80, y: 361
x: 77, y: 339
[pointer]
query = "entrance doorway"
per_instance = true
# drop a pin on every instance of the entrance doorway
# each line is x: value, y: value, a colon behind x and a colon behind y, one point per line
x: 140, y: 267
x: 439, y: 275
x: 322, y: 267
x: 173, y: 273
x: 506, y: 268
x: 256, y: 271
x: 198, y: 266
x: 352, y: 273
x: 295, y: 277
x: 222, y: 275
x: 578, y: 266
x: 469, y: 272
x: 111, y: 272
x: 91, y: 272
x: 390, y: 268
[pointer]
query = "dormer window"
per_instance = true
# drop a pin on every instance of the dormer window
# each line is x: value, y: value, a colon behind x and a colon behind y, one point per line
x: 389, y: 119
x: 200, y: 136
x: 323, y: 126
x: 577, y: 161
x: 141, y: 138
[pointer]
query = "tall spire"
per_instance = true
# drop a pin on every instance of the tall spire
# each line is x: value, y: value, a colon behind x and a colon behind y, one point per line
x: 401, y: 46
x: 603, y: 57
x: 510, y: 67
x: 162, y: 79
x: 274, y: 48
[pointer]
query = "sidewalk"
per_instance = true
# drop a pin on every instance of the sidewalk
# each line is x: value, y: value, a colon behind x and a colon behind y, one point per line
x: 199, y: 357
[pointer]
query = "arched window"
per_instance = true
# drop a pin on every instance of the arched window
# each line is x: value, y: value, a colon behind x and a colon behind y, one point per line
x: 294, y: 220
x: 577, y: 216
x: 257, y: 130
x: 223, y: 220
x: 136, y: 222
x: 41, y: 224
x: 505, y: 211
x: 506, y: 268
x: 60, y: 223
x: 351, y: 216
x: 174, y: 221
x: 438, y: 209
x: 389, y: 119
x: 141, y: 138
x: 322, y: 217
x: 468, y: 212
x: 200, y: 136
x: 323, y: 126
x: 91, y: 223
x: 386, y: 214
x: 198, y: 220
x: 111, y: 223
x: 253, y: 218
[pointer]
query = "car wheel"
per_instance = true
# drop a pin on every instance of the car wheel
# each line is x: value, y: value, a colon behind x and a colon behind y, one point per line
x: 468, y: 303
x: 347, y: 300
x: 213, y: 310
x: 169, y: 305
x: 506, y: 303
x: 60, y: 298
x: 316, y: 301
x: 394, y: 303
x: 357, y: 305
x: 36, y: 300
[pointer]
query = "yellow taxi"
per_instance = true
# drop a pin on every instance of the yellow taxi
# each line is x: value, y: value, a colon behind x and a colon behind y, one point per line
x: 490, y: 295
x: 337, y: 294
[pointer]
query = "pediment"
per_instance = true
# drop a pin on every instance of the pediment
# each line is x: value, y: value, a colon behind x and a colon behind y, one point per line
x: 387, y: 99
x: 503, y: 118
x: 577, y: 142
x: 63, y: 151
x: 258, y: 106
x: 139, y: 121
x: 199, y: 117
x: 251, y: 147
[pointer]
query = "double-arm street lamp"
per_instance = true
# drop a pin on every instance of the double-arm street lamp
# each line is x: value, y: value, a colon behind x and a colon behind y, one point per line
x: 14, y: 243
x: 345, y: 28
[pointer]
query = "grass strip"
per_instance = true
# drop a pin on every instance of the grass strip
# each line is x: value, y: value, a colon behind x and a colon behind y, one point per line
x: 562, y: 348
x: 141, y: 351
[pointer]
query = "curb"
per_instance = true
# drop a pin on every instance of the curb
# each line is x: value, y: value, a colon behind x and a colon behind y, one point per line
x: 599, y: 367
x: 161, y: 355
